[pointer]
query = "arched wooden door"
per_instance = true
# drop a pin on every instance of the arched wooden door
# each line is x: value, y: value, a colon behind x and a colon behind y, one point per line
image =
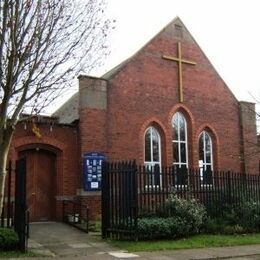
x: 41, y: 184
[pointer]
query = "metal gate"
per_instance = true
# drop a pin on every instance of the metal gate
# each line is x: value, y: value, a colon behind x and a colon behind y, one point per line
x: 21, y: 215
x: 119, y: 200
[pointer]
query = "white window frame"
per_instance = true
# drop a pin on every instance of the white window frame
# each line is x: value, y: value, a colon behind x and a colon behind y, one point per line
x: 179, y: 142
x: 152, y: 163
x: 203, y: 164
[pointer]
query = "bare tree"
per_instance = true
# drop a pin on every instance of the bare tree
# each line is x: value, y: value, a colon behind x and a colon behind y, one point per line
x: 43, y: 45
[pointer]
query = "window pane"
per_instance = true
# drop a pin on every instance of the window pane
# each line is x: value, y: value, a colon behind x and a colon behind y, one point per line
x: 148, y: 146
x: 205, y: 150
x: 175, y: 127
x: 183, y: 152
x: 208, y: 157
x: 207, y: 175
x: 208, y: 148
x: 201, y: 148
x: 179, y: 138
x: 181, y: 175
x: 155, y: 140
x: 148, y: 174
x: 175, y: 152
x: 182, y: 128
x: 156, y: 175
x: 152, y: 174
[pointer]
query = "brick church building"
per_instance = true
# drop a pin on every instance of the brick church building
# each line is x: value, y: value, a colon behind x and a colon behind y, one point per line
x: 165, y: 105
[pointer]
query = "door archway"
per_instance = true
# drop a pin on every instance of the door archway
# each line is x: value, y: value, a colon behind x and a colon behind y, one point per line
x: 40, y: 183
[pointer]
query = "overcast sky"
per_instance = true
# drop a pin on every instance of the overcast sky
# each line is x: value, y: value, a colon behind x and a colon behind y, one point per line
x: 228, y: 31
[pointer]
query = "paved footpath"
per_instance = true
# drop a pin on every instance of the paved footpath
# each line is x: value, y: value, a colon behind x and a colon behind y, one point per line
x: 58, y: 240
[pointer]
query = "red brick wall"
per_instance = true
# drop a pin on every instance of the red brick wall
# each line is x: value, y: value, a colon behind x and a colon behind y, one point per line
x: 146, y: 91
x: 93, y: 202
x: 93, y: 138
x: 61, y: 139
x: 93, y: 130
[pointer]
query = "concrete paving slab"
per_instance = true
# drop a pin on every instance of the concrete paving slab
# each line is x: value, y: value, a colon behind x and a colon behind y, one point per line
x: 33, y: 244
x: 121, y: 254
x: 79, y: 245
x: 43, y: 251
x: 99, y: 244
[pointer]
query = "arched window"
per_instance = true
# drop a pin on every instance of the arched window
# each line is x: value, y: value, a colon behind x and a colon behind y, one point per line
x: 179, y: 140
x: 205, y: 151
x: 205, y: 158
x: 152, y: 155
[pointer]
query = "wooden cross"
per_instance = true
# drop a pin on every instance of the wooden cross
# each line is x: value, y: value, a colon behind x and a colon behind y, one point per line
x: 180, y: 61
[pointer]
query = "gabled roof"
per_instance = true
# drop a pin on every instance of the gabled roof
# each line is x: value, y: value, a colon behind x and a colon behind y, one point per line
x: 114, y: 71
x: 176, y: 21
x: 108, y: 75
x: 68, y: 112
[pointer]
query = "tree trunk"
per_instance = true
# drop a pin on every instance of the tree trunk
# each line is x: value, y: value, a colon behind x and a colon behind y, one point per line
x: 3, y: 166
x: 4, y: 149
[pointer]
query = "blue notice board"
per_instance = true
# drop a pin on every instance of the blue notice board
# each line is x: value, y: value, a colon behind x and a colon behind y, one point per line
x: 92, y: 171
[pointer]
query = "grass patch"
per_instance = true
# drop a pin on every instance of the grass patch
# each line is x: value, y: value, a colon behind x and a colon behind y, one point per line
x: 198, y: 241
x: 12, y: 254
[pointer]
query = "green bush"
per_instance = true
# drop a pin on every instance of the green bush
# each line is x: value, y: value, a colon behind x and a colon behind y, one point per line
x: 155, y: 228
x: 247, y: 215
x: 188, y: 210
x: 236, y: 219
x: 225, y: 200
x: 232, y: 230
x: 214, y: 225
x: 8, y: 239
x: 222, y: 226
x: 176, y: 218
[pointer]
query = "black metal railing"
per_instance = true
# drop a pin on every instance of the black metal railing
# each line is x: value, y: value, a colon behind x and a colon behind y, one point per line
x: 216, y: 190
x: 76, y: 214
x: 119, y: 200
x: 130, y: 191
x: 21, y: 213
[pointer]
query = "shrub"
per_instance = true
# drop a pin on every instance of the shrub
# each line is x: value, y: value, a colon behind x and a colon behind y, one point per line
x: 8, y: 239
x: 236, y: 219
x: 225, y: 200
x: 155, y: 228
x: 247, y: 215
x: 235, y: 229
x: 188, y: 210
x: 214, y: 225
x: 222, y: 226
x: 176, y: 218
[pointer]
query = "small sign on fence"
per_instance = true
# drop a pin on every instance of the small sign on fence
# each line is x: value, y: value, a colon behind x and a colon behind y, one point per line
x: 92, y: 171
